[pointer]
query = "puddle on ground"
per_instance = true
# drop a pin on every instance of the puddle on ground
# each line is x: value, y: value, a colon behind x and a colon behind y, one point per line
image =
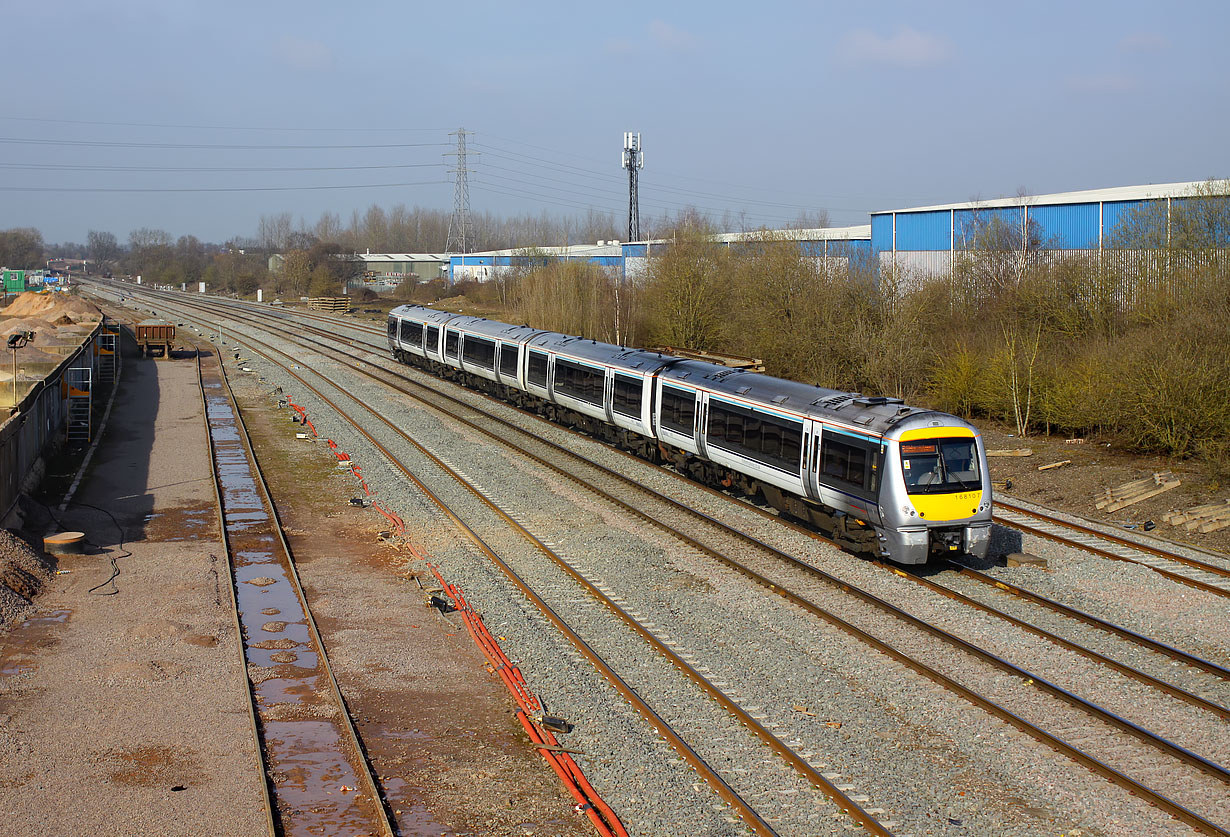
x: 19, y: 654
x: 305, y: 755
x: 313, y: 773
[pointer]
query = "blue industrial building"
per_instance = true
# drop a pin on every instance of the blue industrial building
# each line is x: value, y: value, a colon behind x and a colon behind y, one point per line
x: 486, y: 266
x: 835, y: 247
x: 918, y: 242
x: 928, y: 240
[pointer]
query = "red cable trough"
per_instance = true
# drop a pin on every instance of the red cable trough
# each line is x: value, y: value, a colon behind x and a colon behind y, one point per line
x: 589, y: 802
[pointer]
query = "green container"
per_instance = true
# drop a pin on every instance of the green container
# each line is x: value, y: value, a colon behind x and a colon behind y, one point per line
x: 14, y: 281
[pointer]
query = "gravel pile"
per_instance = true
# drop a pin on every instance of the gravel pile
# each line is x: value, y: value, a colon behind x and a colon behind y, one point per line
x: 23, y: 572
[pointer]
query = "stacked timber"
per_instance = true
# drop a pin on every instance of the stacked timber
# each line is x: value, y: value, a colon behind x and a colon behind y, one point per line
x: 1113, y: 499
x: 339, y: 304
x: 1207, y: 518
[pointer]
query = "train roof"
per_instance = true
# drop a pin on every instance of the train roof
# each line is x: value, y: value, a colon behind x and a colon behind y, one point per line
x: 876, y: 415
x: 421, y: 312
x: 633, y: 360
x: 494, y: 328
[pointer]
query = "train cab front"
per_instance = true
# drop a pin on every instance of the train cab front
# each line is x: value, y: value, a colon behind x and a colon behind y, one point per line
x: 944, y: 500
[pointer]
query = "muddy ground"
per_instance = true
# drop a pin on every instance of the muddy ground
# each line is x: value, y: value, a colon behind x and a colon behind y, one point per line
x: 1096, y: 465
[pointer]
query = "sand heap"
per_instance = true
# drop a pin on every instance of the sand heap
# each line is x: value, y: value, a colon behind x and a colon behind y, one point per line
x: 55, y: 308
x: 23, y: 572
x: 46, y: 348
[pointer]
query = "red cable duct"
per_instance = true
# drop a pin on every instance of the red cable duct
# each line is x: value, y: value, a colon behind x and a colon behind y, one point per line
x: 589, y: 802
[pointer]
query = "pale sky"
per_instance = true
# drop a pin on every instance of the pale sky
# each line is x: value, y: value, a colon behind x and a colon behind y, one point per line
x: 771, y: 108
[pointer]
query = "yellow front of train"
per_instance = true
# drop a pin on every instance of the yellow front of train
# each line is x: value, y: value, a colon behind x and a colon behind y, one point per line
x: 936, y: 492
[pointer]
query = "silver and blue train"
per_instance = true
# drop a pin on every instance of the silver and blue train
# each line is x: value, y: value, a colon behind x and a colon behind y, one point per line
x: 899, y: 482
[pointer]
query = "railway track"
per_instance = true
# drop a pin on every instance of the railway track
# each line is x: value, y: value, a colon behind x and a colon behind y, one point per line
x: 315, y: 774
x: 1212, y: 576
x: 1208, y: 576
x: 1177, y: 810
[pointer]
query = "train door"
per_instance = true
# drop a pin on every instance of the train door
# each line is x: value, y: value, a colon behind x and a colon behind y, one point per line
x: 702, y: 423
x: 608, y: 395
x: 811, y: 438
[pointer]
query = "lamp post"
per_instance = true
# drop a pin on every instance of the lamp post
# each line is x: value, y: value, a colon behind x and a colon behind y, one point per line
x: 17, y: 340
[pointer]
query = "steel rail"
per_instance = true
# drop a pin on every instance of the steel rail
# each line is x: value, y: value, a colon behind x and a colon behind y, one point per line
x: 1094, y: 621
x: 1114, y: 538
x: 1089, y: 761
x: 1124, y: 633
x: 254, y: 725
x: 1175, y: 750
x: 367, y: 774
x: 745, y: 811
x: 1127, y: 670
x: 742, y: 808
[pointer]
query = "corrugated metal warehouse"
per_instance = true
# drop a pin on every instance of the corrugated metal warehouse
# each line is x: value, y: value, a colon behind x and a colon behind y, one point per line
x: 928, y: 240
x: 486, y: 266
x: 838, y: 247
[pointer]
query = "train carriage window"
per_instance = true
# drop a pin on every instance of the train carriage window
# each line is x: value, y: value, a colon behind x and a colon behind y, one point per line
x: 412, y: 333
x: 451, y: 339
x: 626, y: 398
x: 537, y: 371
x: 508, y: 359
x: 679, y: 410
x: 433, y: 338
x: 844, y: 462
x: 776, y: 442
x: 479, y: 351
x: 579, y: 381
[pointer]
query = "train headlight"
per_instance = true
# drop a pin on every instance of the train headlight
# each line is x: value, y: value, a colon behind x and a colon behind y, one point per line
x: 907, y: 509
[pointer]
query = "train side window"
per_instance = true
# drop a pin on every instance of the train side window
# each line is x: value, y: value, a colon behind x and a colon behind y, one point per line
x: 626, y: 398
x: 508, y: 359
x: 412, y: 333
x: 679, y: 410
x: 537, y: 371
x: 844, y: 462
x: 433, y: 338
x: 479, y: 350
x: 579, y: 381
x: 450, y: 344
x: 769, y: 440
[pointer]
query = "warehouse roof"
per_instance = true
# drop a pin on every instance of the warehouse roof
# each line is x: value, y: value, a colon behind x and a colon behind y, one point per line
x: 817, y: 234
x: 1117, y: 193
x: 399, y: 257
x: 574, y: 250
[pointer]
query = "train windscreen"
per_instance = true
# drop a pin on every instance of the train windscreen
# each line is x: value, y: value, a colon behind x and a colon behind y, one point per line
x: 939, y: 466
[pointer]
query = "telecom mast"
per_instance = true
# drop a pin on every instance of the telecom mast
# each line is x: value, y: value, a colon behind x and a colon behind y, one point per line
x: 460, y: 229
x: 633, y: 161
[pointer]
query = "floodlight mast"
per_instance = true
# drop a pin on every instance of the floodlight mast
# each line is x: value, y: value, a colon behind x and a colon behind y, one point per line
x: 633, y: 160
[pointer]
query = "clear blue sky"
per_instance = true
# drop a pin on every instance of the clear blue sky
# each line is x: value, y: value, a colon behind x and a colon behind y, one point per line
x: 766, y: 107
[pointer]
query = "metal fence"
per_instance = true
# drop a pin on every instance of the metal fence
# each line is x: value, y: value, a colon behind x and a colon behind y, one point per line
x: 37, y: 423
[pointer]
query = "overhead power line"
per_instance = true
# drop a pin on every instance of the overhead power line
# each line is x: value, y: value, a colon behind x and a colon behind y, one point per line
x: 221, y: 188
x: 269, y: 128
x: 263, y: 169
x: 228, y: 147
